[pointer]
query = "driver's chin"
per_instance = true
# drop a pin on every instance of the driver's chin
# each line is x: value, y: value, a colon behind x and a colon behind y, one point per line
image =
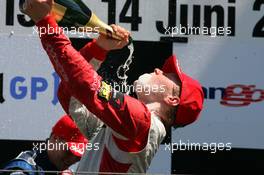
x: 141, y: 87
x: 144, y: 79
x: 143, y: 96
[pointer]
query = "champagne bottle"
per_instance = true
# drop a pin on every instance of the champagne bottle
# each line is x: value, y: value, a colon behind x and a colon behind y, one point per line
x: 74, y: 13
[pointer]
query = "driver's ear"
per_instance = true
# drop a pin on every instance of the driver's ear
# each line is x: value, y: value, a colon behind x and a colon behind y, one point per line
x: 172, y: 100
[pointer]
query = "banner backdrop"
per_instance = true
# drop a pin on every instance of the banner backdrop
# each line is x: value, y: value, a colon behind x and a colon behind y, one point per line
x: 218, y: 42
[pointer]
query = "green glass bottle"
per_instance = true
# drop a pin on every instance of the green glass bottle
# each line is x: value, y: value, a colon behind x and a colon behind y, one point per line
x: 74, y: 13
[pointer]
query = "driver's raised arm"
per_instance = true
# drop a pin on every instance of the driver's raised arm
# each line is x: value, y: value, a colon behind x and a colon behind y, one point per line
x: 125, y: 115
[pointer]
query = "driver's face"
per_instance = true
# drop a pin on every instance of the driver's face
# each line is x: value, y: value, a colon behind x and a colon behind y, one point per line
x: 154, y: 87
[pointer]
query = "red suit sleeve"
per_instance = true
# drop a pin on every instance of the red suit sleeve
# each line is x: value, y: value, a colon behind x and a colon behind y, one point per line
x: 92, y: 50
x: 124, y: 114
x: 89, y: 51
x: 64, y: 96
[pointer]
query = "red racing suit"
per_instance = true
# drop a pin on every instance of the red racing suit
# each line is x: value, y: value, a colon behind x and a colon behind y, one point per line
x: 135, y: 134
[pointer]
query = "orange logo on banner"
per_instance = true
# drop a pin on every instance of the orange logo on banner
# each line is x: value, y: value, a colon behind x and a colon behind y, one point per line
x: 241, y: 95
